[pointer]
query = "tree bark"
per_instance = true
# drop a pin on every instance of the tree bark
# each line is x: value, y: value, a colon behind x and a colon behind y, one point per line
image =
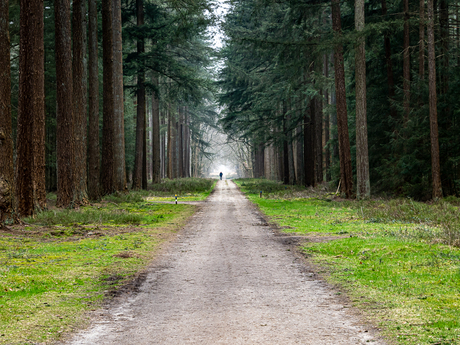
x: 406, y: 62
x: 421, y: 51
x: 170, y: 144
x: 79, y: 77
x: 163, y: 144
x: 327, y: 125
x: 93, y: 116
x: 342, y: 117
x: 363, y: 188
x: 6, y: 131
x: 319, y: 139
x: 435, y: 165
x: 156, y: 147
x: 390, y: 75
x: 118, y: 98
x: 286, y: 170
x: 144, y: 150
x: 108, y: 131
x: 180, y: 141
x: 309, y: 145
x: 140, y: 123
x: 65, y: 130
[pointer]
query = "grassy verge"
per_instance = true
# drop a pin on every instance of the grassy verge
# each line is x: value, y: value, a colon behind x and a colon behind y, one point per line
x: 396, y: 259
x: 63, y: 263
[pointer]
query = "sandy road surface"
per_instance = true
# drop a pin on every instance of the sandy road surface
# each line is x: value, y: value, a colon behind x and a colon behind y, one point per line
x: 228, y: 280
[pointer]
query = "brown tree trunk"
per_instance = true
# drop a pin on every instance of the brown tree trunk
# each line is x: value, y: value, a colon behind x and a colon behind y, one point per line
x: 144, y: 152
x: 6, y: 131
x: 342, y: 117
x: 188, y: 148
x: 319, y: 139
x: 299, y: 158
x: 435, y: 165
x: 118, y: 121
x: 363, y: 188
x: 175, y: 157
x: 180, y: 142
x: 286, y: 175
x: 140, y: 123
x: 421, y: 51
x: 156, y: 147
x: 170, y: 144
x: 163, y: 144
x: 65, y: 130
x: 93, y: 116
x: 108, y: 135
x: 327, y: 129
x: 390, y: 76
x: 79, y: 69
x: 444, y: 30
x: 309, y: 145
x: 406, y: 62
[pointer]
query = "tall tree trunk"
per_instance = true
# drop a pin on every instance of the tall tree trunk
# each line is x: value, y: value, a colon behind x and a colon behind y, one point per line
x: 309, y: 145
x: 406, y: 62
x: 6, y: 131
x: 444, y: 30
x: 421, y: 51
x: 300, y: 179
x: 180, y: 142
x: 327, y: 126
x: 108, y: 131
x: 118, y: 98
x: 93, y: 116
x: 363, y: 188
x: 65, y: 130
x: 435, y: 165
x: 286, y: 176
x: 79, y: 70
x: 342, y: 117
x: 144, y: 153
x: 188, y: 147
x: 390, y: 75
x: 140, y: 122
x: 169, y: 143
x: 156, y: 147
x: 319, y: 138
x: 163, y: 144
x: 175, y: 158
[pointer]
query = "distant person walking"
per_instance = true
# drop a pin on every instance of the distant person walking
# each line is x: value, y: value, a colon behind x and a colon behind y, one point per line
x: 221, y: 175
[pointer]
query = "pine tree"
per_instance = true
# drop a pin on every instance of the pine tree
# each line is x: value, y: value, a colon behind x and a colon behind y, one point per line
x: 93, y: 117
x: 6, y: 132
x: 30, y: 163
x: 363, y: 188
x: 80, y: 84
x: 108, y: 126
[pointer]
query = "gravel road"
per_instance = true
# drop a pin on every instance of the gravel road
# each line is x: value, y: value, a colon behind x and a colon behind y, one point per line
x: 228, y: 279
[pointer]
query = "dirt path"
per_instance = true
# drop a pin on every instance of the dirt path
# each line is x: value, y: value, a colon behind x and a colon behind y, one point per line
x: 228, y: 280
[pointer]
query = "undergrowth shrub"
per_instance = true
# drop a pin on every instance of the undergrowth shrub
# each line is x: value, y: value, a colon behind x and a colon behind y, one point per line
x: 85, y: 216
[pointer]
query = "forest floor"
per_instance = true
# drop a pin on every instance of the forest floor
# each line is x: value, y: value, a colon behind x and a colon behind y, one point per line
x: 232, y: 279
x: 299, y: 266
x: 58, y: 266
x: 397, y: 260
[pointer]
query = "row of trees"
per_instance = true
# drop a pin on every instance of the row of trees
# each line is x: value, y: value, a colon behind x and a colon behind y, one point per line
x: 154, y: 91
x: 340, y: 91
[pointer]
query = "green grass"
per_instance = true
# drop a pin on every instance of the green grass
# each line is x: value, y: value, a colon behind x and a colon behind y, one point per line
x: 63, y: 263
x: 396, y: 259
